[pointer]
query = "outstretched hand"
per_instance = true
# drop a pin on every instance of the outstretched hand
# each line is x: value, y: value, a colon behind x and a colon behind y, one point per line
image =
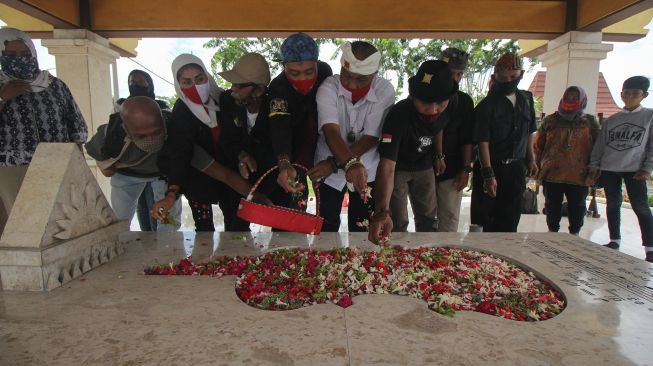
x: 380, y: 228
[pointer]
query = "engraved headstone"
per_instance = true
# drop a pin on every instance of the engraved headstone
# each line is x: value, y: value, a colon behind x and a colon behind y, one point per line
x: 60, y: 226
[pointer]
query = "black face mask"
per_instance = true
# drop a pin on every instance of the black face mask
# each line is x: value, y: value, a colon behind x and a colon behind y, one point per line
x: 506, y: 87
x: 136, y: 90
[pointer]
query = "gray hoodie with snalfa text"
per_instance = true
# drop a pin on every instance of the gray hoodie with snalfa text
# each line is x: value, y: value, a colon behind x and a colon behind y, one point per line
x: 625, y: 143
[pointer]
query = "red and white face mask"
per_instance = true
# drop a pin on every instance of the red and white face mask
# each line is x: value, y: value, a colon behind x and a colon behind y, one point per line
x: 198, y: 93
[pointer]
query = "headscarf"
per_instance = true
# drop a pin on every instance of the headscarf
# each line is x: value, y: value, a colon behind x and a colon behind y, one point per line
x: 150, y: 90
x: 572, y: 115
x: 150, y: 83
x: 368, y: 66
x: 200, y: 111
x: 43, y: 78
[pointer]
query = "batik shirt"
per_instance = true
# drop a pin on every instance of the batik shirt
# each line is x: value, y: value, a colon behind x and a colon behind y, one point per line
x: 50, y: 115
x: 563, y: 148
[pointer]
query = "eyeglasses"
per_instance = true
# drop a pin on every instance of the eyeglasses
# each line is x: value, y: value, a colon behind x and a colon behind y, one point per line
x: 243, y: 85
x: 198, y: 79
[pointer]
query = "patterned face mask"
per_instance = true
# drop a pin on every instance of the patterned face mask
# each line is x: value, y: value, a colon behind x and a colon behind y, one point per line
x: 150, y: 145
x: 20, y: 67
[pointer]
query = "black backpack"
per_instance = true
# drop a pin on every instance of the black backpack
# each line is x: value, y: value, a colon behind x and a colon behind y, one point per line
x: 529, y: 201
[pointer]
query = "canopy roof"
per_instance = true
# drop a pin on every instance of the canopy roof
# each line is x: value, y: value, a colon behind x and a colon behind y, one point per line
x: 516, y: 19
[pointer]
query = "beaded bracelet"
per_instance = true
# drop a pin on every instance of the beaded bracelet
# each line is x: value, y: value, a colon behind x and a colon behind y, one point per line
x: 353, y: 161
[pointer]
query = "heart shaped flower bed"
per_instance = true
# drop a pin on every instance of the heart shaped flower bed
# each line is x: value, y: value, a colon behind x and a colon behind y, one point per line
x: 448, y: 279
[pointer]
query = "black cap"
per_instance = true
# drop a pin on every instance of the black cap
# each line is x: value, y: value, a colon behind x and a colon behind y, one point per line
x: 637, y: 82
x: 433, y: 82
x: 457, y: 59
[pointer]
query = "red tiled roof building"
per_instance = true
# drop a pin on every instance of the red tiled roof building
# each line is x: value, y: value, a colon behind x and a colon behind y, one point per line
x: 604, y: 102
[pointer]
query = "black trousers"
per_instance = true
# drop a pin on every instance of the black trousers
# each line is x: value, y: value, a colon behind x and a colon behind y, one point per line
x: 576, y: 197
x: 331, y: 205
x: 228, y: 201
x: 637, y: 192
x: 500, y: 213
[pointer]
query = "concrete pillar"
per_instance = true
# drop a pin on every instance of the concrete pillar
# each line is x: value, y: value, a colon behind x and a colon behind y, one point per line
x: 114, y: 78
x: 84, y: 60
x: 573, y: 59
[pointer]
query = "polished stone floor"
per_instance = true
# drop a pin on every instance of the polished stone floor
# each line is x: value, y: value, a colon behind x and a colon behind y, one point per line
x: 114, y: 315
x: 594, y: 229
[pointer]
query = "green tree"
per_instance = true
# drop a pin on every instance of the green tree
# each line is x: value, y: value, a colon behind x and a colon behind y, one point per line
x: 228, y: 50
x: 170, y: 100
x: 401, y: 57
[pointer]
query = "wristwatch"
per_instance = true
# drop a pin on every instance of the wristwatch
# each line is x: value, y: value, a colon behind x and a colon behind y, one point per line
x: 467, y: 169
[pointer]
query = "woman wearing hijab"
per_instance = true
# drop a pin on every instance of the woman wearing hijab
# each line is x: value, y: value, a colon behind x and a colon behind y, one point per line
x: 192, y: 159
x: 141, y: 85
x: 34, y: 107
x: 562, y: 150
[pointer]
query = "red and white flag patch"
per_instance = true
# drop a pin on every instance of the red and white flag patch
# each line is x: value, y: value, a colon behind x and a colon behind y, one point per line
x: 386, y: 138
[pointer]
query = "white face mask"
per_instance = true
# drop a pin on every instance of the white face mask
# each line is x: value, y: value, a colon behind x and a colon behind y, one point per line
x: 203, y: 91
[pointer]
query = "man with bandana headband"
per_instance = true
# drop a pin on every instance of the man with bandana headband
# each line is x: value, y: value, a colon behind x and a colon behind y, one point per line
x: 504, y: 127
x: 351, y: 107
x: 34, y: 107
x: 411, y: 143
x: 293, y: 110
x: 127, y: 149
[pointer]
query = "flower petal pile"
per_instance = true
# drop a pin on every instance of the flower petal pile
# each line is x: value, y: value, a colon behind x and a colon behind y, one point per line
x: 448, y: 279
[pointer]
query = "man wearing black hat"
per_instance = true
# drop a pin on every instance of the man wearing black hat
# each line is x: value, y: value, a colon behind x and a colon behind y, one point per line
x: 408, y: 153
x: 504, y: 129
x: 457, y: 147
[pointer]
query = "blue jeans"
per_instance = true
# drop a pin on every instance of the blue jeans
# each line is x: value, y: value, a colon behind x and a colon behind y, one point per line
x: 576, y: 198
x: 638, y: 195
x: 145, y: 203
x: 125, y: 191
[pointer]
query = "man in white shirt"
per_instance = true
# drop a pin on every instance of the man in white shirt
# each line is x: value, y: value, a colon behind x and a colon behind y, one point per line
x: 351, y: 107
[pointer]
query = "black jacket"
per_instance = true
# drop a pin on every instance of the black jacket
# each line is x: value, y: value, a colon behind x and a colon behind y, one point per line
x: 184, y: 133
x: 505, y: 127
x: 235, y: 137
x: 293, y: 118
x: 459, y: 132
